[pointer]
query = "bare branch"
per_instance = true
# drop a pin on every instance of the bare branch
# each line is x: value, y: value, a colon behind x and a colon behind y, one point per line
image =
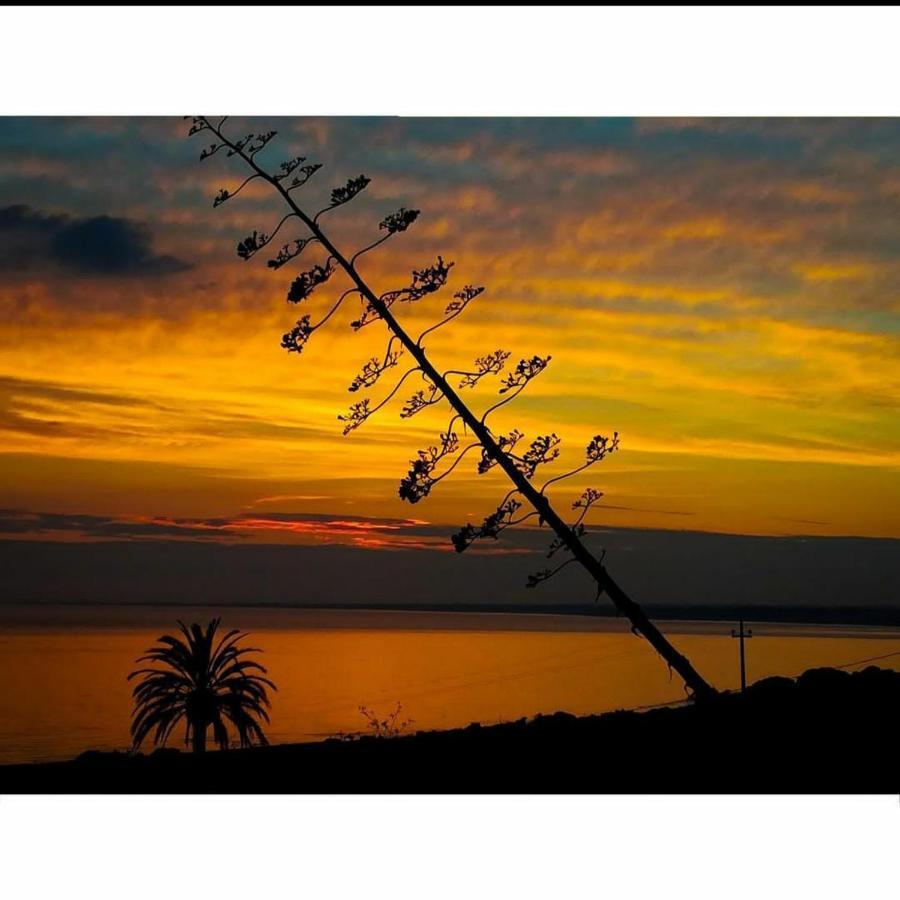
x: 295, y: 340
x: 211, y: 150
x: 559, y: 543
x: 306, y: 172
x: 598, y: 447
x: 460, y: 301
x: 422, y: 399
x: 357, y: 414
x: 253, y: 243
x: 525, y: 370
x: 237, y: 147
x: 544, y: 449
x: 336, y: 306
x: 198, y: 124
x: 491, y: 527
x: 505, y: 442
x: 455, y: 463
x: 588, y: 498
x: 374, y: 368
x: 363, y: 409
x: 342, y: 195
x: 509, y: 494
x: 368, y: 315
x: 224, y: 194
x: 546, y: 574
x: 287, y: 252
x: 287, y: 167
x: 420, y: 479
x: 367, y: 248
x: 490, y: 364
x: 260, y: 141
x: 514, y: 383
x: 393, y: 224
x: 426, y: 281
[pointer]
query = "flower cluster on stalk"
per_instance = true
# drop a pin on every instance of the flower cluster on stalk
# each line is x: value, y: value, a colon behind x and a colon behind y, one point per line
x: 306, y: 282
x: 420, y: 479
x: 491, y: 527
x: 525, y: 370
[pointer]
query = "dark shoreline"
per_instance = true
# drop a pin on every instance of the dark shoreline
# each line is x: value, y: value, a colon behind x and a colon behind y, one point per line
x: 828, y: 731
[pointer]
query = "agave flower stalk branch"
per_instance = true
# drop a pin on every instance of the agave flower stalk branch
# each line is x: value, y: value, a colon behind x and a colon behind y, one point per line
x: 627, y: 607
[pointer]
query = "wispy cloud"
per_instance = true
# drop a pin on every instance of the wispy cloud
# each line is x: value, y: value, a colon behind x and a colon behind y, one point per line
x: 369, y: 532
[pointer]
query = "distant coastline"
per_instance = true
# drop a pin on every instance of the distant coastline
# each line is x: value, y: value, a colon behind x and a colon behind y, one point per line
x: 13, y: 613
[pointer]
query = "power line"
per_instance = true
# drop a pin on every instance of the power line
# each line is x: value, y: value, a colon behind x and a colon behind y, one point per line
x: 859, y: 662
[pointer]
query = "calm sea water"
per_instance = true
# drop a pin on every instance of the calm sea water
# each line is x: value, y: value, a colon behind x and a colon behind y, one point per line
x: 63, y: 671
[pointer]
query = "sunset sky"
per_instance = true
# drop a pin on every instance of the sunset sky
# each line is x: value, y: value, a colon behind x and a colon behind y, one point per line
x: 723, y: 293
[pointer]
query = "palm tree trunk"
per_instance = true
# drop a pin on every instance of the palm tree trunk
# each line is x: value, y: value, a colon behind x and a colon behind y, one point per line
x: 198, y: 737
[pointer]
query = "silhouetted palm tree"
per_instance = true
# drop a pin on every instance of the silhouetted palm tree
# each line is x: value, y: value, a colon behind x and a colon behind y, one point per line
x: 203, y: 685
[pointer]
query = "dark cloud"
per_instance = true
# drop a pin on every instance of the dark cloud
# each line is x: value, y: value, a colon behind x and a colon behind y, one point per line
x: 24, y: 409
x: 50, y: 390
x: 23, y: 522
x: 17, y: 521
x: 51, y: 409
x: 372, y: 531
x: 100, y: 245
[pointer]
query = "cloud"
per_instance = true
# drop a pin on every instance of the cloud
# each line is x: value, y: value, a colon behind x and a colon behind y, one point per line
x: 50, y: 410
x: 65, y: 394
x: 89, y: 526
x: 270, y: 526
x: 368, y: 532
x: 31, y: 240
x: 832, y: 271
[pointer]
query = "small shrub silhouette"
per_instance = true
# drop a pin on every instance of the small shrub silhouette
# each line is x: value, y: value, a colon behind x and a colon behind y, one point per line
x: 388, y: 727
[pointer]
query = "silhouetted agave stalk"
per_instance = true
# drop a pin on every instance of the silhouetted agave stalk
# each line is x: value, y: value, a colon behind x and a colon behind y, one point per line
x: 431, y: 465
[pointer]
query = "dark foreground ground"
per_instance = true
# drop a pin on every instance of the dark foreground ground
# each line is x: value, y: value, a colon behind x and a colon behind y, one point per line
x: 828, y: 731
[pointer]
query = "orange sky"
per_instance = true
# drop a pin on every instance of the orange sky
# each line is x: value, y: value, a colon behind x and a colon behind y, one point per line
x: 723, y: 293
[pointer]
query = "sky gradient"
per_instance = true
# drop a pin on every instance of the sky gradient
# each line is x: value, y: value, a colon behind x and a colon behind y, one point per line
x: 723, y: 293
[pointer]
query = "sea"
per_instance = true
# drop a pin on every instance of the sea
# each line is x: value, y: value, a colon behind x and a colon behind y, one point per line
x: 64, y: 687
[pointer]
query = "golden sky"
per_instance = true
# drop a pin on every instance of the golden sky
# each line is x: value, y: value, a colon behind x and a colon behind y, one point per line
x: 723, y: 293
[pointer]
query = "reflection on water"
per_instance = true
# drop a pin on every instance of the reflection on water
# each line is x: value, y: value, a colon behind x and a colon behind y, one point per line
x: 64, y: 688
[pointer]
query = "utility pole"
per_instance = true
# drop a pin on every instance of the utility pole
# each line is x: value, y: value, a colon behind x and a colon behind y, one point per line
x: 742, y: 634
